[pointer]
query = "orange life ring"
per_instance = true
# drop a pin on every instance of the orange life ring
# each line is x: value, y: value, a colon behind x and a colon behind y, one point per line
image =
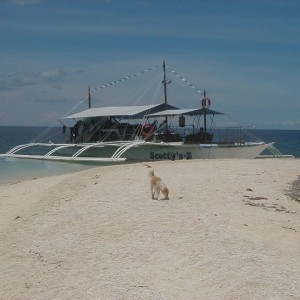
x: 206, y: 102
x: 147, y: 130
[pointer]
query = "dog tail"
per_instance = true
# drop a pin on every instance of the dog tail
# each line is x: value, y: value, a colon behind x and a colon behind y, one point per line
x: 151, y: 173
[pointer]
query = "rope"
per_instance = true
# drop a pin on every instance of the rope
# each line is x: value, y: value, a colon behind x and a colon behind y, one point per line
x: 124, y: 78
x: 140, y: 92
x: 192, y: 86
x: 189, y: 84
x: 66, y: 114
x: 41, y: 134
x: 110, y: 84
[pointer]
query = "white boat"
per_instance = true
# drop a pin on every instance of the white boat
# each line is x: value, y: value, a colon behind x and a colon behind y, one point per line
x: 145, y: 133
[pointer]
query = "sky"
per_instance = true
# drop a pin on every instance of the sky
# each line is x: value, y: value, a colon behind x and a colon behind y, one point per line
x: 244, y: 53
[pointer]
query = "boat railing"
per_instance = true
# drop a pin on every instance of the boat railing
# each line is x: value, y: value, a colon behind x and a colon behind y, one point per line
x: 125, y: 147
x: 275, y: 153
x: 233, y: 135
x: 82, y: 150
x: 56, y: 149
x: 18, y: 148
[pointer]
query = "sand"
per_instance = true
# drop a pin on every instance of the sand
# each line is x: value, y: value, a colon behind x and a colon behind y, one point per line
x: 229, y: 231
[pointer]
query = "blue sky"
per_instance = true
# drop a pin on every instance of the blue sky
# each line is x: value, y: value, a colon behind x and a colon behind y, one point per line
x: 245, y: 53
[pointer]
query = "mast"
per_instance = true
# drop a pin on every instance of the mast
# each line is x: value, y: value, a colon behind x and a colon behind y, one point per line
x: 205, y: 105
x: 165, y: 82
x: 89, y: 97
x: 204, y: 110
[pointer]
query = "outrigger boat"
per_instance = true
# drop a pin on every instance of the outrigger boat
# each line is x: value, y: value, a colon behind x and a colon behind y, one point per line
x: 144, y: 133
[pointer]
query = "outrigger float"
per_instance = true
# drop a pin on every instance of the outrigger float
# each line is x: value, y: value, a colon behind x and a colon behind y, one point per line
x: 145, y: 133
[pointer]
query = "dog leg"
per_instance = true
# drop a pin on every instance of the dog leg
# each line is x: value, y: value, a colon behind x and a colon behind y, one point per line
x: 157, y: 190
x: 153, y: 192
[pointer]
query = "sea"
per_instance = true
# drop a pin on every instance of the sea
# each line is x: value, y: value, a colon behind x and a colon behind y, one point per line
x: 14, y: 170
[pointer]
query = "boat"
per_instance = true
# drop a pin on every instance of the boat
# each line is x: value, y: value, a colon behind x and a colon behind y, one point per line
x: 144, y: 133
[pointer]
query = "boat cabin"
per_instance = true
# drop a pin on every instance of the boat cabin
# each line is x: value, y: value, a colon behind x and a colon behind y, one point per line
x: 151, y: 123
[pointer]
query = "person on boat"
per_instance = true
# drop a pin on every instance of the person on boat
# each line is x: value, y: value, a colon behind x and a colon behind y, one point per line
x: 202, y: 134
x: 75, y: 131
x: 162, y: 126
x: 181, y: 121
x: 72, y: 134
x: 64, y: 129
x: 205, y: 136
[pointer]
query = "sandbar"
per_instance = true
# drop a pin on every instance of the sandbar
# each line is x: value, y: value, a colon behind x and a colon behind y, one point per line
x: 229, y: 231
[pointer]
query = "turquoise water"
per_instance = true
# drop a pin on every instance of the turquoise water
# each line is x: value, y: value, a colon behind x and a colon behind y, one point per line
x: 12, y: 170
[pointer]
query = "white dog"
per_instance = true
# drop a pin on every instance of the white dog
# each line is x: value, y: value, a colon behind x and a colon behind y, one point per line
x: 157, y: 186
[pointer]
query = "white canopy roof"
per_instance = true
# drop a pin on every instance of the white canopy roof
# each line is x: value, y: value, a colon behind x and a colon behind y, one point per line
x: 119, y: 111
x: 189, y: 112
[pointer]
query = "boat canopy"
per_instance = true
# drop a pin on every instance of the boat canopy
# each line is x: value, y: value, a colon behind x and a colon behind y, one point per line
x: 121, y: 111
x: 187, y: 112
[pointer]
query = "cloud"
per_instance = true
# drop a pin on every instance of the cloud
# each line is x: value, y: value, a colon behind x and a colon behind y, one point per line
x: 12, y: 81
x: 50, y: 100
x: 17, y: 80
x: 52, y: 75
x: 25, y: 2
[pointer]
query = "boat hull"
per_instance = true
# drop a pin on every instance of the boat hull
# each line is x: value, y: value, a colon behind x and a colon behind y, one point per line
x: 152, y: 152
x: 138, y: 151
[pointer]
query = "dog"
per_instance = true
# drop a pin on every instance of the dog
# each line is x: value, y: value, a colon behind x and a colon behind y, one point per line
x: 157, y: 186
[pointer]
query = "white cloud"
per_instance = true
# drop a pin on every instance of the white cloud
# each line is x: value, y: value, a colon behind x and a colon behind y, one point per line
x: 12, y: 81
x: 52, y: 75
x: 25, y: 2
x: 17, y: 80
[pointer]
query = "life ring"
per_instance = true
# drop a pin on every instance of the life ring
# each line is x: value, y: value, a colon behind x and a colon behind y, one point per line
x: 206, y: 102
x: 147, y: 130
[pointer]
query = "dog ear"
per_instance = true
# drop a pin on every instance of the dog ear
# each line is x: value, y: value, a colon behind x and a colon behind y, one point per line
x: 151, y: 173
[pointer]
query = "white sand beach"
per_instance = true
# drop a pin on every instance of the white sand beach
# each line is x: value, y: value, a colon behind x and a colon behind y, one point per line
x: 229, y: 231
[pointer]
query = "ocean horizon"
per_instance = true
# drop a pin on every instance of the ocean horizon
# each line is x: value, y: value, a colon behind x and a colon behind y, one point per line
x: 13, y: 170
